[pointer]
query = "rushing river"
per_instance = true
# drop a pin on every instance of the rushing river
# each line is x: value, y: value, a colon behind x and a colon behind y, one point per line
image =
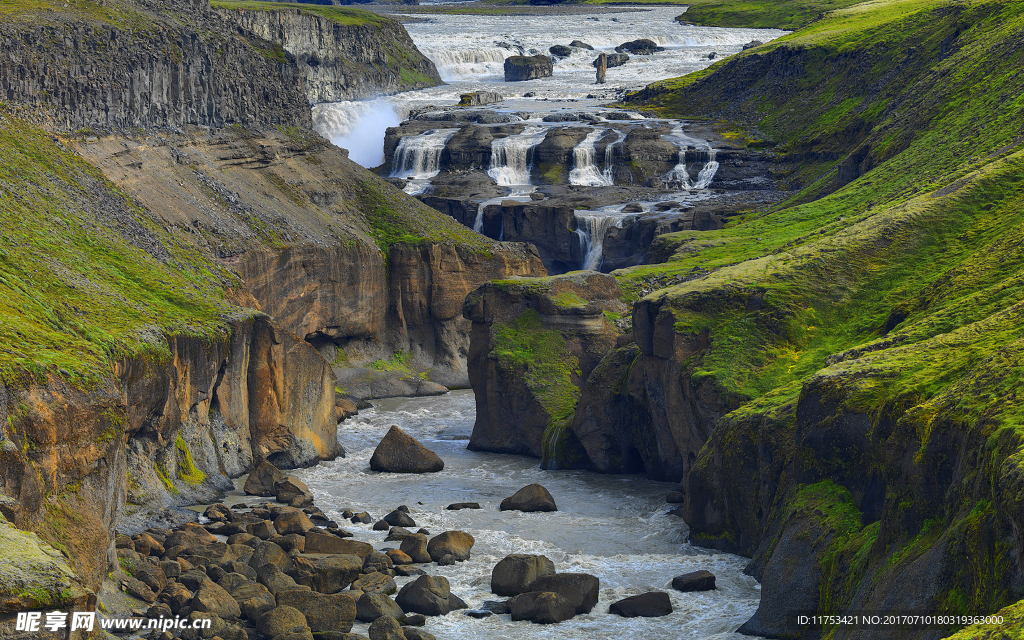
x: 469, y: 52
x: 615, y: 527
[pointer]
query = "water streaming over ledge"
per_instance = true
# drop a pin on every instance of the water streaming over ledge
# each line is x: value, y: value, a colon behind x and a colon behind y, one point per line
x: 418, y: 158
x: 512, y: 156
x: 591, y: 227
x: 613, y: 526
x: 584, y: 166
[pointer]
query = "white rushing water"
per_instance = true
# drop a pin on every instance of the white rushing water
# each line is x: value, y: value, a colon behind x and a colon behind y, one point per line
x: 584, y: 168
x: 418, y: 158
x: 591, y: 227
x: 613, y: 526
x: 518, y: 195
x: 512, y: 156
x: 707, y: 173
x: 470, y: 51
x: 609, y: 156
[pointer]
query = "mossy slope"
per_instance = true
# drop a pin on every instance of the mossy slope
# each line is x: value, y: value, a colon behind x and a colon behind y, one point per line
x: 866, y: 333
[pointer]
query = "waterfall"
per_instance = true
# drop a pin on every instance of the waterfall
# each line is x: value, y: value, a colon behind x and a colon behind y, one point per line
x: 584, y: 167
x: 519, y: 195
x: 591, y: 227
x: 609, y: 157
x: 707, y: 174
x: 418, y: 158
x: 511, y: 157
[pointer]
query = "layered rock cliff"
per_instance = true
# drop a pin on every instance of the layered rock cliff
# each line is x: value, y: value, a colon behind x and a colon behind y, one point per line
x: 341, y: 54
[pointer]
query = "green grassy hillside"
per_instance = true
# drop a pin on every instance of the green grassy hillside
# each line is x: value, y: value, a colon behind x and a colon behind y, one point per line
x: 891, y: 287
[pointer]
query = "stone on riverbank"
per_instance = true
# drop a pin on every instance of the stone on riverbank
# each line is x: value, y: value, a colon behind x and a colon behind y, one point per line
x: 398, y: 452
x: 292, y: 491
x: 532, y: 497
x: 262, y: 479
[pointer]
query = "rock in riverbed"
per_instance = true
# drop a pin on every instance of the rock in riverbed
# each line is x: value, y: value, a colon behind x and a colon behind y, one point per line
x: 646, y: 605
x: 541, y: 607
x: 581, y: 589
x: 399, y: 452
x: 515, y: 573
x: 702, y: 580
x: 429, y: 595
x: 532, y: 497
x: 454, y: 543
x: 519, y: 68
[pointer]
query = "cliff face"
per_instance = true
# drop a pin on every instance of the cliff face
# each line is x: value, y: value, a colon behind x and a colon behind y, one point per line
x: 130, y: 66
x: 359, y: 55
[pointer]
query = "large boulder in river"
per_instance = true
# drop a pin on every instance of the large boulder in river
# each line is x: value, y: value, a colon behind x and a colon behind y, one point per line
x: 517, y: 572
x: 614, y: 60
x: 454, y: 543
x: 399, y: 452
x: 579, y: 44
x: 429, y: 595
x: 261, y: 479
x: 702, y: 580
x: 415, y: 546
x: 518, y: 68
x: 291, y: 490
x: 560, y: 51
x: 580, y: 588
x: 643, y: 46
x: 646, y: 605
x: 541, y: 607
x: 532, y: 497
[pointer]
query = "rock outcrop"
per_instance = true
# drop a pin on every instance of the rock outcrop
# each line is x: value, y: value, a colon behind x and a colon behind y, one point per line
x: 533, y: 343
x: 358, y: 55
x: 519, y: 68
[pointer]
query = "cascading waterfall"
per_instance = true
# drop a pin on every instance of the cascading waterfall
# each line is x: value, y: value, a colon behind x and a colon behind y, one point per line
x: 584, y: 167
x: 519, y: 195
x: 512, y: 156
x: 609, y: 157
x: 707, y: 174
x: 591, y: 227
x: 418, y: 158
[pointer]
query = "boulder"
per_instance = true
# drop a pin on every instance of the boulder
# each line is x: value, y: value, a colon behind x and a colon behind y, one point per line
x: 289, y: 489
x: 262, y: 479
x: 399, y: 557
x: 292, y: 521
x: 319, y: 542
x: 752, y: 44
x: 702, y: 580
x: 518, y: 68
x: 580, y: 588
x: 479, y: 98
x: 212, y: 598
x: 515, y: 573
x: 560, y: 51
x: 270, y: 553
x: 327, y: 574
x: 397, y: 533
x: 335, y: 612
x: 371, y: 606
x: 262, y: 529
x: 614, y: 60
x: 532, y: 497
x: 411, y: 633
x: 377, y: 562
x: 281, y: 620
x: 642, y: 46
x: 361, y: 518
x: 274, y: 579
x: 399, y: 518
x: 580, y: 45
x: 398, y: 452
x: 375, y: 582
x: 429, y: 595
x: 386, y: 628
x: 541, y: 607
x: 653, y: 604
x: 454, y: 543
x: 415, y: 546
x: 380, y: 525
x: 456, y: 506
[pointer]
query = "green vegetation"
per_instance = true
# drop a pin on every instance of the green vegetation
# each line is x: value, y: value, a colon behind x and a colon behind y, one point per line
x: 187, y: 470
x: 547, y: 367
x: 340, y: 15
x: 759, y: 14
x: 119, y: 14
x: 891, y: 286
x: 76, y: 292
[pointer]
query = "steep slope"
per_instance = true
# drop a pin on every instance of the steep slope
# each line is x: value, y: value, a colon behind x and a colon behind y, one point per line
x: 836, y: 381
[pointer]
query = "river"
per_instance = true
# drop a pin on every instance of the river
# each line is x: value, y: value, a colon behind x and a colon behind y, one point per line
x: 469, y: 52
x: 613, y: 526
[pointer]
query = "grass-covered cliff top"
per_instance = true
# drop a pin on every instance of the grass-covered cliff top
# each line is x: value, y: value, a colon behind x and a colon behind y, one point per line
x: 761, y: 14
x: 340, y: 15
